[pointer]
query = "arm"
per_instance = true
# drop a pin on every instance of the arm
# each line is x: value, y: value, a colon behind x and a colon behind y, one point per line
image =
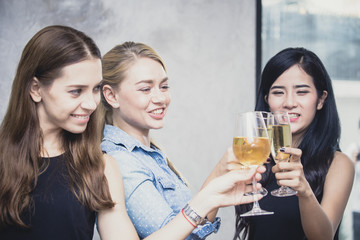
x: 223, y: 191
x: 227, y: 163
x: 319, y: 220
x: 153, y: 197
x: 115, y: 222
x: 227, y: 190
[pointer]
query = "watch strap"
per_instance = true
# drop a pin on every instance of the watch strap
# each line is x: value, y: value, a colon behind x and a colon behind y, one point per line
x: 196, y: 218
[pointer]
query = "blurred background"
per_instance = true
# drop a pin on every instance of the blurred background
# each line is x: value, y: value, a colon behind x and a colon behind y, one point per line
x: 214, y: 52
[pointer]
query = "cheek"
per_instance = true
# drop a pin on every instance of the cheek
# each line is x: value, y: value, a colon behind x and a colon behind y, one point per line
x: 97, y: 99
x: 168, y: 99
x: 274, y: 103
x: 310, y: 103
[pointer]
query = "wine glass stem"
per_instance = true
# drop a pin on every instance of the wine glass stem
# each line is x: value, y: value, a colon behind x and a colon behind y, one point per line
x: 256, y: 205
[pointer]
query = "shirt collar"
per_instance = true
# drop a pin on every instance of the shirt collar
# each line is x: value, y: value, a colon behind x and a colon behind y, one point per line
x: 118, y: 136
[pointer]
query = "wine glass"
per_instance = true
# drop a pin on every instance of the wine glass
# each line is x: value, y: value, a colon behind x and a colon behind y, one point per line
x: 268, y: 119
x: 281, y: 137
x: 251, y: 148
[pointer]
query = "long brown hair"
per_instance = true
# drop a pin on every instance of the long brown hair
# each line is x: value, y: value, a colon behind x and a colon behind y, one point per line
x: 44, y: 57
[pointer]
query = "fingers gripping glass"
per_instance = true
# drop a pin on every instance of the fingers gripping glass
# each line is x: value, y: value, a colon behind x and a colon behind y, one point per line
x: 281, y: 137
x: 251, y: 147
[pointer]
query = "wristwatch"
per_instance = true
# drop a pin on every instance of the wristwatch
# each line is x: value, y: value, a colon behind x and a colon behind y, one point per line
x: 198, y: 220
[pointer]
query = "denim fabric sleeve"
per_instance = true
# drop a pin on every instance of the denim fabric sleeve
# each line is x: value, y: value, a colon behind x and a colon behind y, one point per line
x: 150, y: 212
x: 146, y: 206
x: 202, y: 231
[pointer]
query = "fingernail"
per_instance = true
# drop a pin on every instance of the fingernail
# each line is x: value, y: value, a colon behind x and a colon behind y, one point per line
x: 282, y: 149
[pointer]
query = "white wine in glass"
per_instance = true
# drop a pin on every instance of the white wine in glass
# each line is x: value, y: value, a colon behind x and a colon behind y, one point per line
x: 268, y: 119
x: 251, y: 146
x: 281, y: 138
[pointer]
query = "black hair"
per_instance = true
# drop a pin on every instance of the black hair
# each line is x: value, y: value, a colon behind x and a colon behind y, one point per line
x: 318, y: 144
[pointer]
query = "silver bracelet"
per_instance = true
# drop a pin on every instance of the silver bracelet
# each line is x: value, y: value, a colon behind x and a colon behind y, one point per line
x: 198, y: 220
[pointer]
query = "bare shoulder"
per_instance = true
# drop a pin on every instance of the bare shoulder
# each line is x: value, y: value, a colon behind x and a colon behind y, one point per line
x: 114, y: 178
x: 107, y: 158
x: 342, y: 167
x: 342, y: 161
x: 109, y: 161
x: 111, y: 166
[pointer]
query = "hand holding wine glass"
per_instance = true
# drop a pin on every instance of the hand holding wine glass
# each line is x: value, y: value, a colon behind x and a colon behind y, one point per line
x: 281, y: 137
x: 251, y: 147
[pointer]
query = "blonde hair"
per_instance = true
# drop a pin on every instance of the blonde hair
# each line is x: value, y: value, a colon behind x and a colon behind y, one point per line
x: 115, y: 64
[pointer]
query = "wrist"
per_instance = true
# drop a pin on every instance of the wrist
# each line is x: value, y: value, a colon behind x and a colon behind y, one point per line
x: 192, y: 216
x: 203, y: 202
x: 308, y: 193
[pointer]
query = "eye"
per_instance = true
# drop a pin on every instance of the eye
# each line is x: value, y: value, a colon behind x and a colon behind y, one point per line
x: 302, y: 92
x: 97, y: 88
x: 145, y: 89
x: 75, y: 92
x: 165, y: 87
x: 277, y: 92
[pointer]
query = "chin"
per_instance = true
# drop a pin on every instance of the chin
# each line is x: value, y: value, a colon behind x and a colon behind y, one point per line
x: 157, y: 126
x: 76, y: 130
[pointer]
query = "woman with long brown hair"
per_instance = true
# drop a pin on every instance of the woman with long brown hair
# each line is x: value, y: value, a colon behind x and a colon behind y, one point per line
x: 52, y: 177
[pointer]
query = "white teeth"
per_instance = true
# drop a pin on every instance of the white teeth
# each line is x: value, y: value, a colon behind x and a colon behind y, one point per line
x: 294, y: 115
x: 158, y: 111
x: 80, y: 117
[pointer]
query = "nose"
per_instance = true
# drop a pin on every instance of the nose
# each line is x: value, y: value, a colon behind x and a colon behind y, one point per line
x: 90, y: 101
x: 290, y: 101
x: 158, y: 96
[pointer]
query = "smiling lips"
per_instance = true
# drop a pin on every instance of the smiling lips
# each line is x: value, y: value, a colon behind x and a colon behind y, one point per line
x: 81, y: 118
x: 157, y: 113
x: 293, y: 116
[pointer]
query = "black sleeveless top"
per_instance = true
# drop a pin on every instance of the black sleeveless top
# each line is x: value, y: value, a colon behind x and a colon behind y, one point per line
x: 284, y: 224
x: 56, y: 213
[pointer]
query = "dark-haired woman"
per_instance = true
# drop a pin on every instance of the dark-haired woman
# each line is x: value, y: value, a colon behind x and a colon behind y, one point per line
x: 295, y: 80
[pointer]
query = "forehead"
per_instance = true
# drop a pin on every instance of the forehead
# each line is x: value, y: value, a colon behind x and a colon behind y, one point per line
x: 145, y: 69
x: 85, y: 72
x: 295, y: 75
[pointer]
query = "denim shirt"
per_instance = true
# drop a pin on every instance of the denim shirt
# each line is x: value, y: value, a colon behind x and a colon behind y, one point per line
x: 154, y: 194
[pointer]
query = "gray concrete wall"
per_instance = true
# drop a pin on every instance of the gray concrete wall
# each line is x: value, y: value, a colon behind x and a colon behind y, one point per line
x: 207, y: 45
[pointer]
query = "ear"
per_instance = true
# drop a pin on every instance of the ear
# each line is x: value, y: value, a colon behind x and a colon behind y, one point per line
x: 110, y: 96
x: 266, y: 99
x: 321, y: 100
x: 35, y: 91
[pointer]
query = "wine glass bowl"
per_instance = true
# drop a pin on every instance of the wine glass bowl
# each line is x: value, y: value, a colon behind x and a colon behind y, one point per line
x: 267, y: 116
x: 251, y: 151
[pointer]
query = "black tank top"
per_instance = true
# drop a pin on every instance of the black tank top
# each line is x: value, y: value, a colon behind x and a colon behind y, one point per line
x: 57, y: 214
x: 284, y: 224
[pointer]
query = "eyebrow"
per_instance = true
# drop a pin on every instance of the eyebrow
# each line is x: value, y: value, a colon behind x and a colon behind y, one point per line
x: 296, y: 86
x: 83, y: 85
x: 302, y: 86
x: 151, y: 81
